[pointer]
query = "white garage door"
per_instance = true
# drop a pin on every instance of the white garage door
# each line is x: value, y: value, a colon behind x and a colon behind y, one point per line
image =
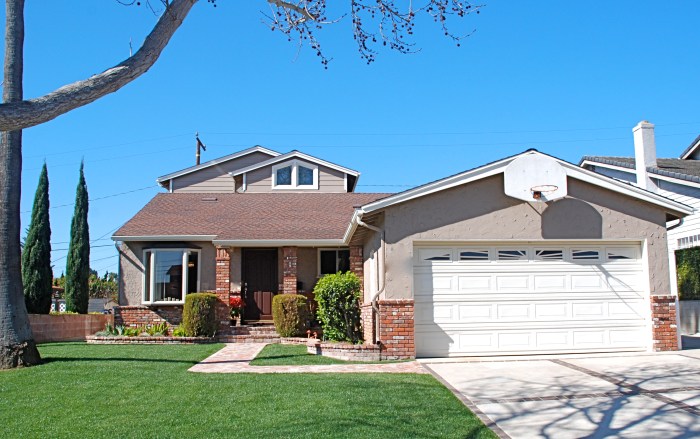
x: 529, y: 298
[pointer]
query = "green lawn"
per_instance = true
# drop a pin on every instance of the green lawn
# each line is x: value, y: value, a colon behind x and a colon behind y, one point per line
x: 145, y: 391
x: 291, y: 355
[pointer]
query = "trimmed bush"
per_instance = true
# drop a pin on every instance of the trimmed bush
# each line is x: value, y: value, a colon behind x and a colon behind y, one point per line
x: 688, y: 272
x: 290, y: 314
x: 199, y: 315
x: 338, y: 297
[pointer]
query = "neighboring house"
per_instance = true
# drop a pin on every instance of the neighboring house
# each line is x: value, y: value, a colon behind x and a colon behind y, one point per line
x: 529, y: 254
x: 674, y: 178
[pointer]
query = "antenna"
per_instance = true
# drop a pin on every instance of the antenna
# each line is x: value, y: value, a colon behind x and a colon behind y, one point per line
x: 199, y: 145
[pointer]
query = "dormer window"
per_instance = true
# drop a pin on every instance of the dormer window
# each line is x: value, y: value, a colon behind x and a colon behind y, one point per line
x: 295, y: 174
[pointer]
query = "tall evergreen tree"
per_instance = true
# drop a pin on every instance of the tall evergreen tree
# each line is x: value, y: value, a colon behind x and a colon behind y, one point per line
x: 36, y: 255
x: 78, y: 264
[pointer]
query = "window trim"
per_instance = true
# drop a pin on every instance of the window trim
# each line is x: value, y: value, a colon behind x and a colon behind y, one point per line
x: 150, y: 253
x: 328, y: 249
x: 295, y: 175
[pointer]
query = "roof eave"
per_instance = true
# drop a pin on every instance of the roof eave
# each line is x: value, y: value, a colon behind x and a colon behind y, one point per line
x: 163, y: 238
x: 291, y: 155
x: 280, y: 242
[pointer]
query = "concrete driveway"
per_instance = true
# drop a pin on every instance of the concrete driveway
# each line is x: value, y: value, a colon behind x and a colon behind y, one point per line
x: 626, y: 395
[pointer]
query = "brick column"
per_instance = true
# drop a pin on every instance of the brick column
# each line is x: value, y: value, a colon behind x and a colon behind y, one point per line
x: 223, y: 287
x: 664, y: 323
x: 396, y: 330
x: 357, y: 265
x: 289, y: 270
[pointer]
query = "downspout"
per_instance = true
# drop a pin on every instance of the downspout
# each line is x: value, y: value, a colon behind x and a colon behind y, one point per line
x: 375, y: 299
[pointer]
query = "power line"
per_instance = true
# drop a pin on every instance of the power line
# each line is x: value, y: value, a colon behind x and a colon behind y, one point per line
x: 115, y: 145
x: 92, y: 246
x: 92, y: 241
x: 101, y: 198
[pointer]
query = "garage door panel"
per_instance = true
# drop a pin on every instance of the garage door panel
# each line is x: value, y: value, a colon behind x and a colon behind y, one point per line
x: 520, y: 305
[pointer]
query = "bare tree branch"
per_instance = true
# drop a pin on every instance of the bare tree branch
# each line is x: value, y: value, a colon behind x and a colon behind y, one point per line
x: 27, y: 113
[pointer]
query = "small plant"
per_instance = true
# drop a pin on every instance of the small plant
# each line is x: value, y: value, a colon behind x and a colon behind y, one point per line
x: 132, y: 332
x: 119, y: 329
x: 338, y: 297
x: 61, y: 313
x: 159, y: 329
x: 237, y: 305
x: 179, y: 331
x: 199, y: 315
x: 289, y: 314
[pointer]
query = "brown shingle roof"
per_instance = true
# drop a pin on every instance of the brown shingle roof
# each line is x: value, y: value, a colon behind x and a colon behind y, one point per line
x: 688, y: 170
x: 268, y: 216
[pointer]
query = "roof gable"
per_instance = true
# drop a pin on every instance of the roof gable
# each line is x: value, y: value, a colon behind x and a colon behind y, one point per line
x: 686, y: 172
x: 161, y: 180
x: 498, y: 167
x: 292, y: 155
x: 692, y: 152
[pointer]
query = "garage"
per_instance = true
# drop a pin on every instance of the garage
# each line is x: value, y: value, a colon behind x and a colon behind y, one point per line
x: 530, y: 297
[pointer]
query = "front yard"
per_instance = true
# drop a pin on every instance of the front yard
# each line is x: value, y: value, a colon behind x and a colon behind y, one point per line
x: 145, y: 391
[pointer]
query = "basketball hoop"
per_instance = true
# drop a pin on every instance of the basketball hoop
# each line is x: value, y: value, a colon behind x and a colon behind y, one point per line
x: 542, y: 190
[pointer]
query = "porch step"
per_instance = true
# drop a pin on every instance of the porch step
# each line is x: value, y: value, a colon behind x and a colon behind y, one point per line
x: 257, y: 330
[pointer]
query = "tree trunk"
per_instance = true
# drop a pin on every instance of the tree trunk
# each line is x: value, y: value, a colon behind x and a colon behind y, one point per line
x: 17, y: 347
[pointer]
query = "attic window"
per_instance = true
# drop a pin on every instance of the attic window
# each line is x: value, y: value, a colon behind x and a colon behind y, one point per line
x: 295, y: 174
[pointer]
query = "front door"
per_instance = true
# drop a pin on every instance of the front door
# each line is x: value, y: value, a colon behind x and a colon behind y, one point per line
x: 259, y: 282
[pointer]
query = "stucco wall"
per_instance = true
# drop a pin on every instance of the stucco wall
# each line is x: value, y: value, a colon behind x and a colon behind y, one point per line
x: 131, y: 268
x: 480, y: 210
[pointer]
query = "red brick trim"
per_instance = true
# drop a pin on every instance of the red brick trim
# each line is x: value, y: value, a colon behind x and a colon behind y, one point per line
x: 368, y: 322
x: 223, y: 286
x: 664, y: 323
x: 289, y: 270
x: 357, y: 265
x: 396, y: 329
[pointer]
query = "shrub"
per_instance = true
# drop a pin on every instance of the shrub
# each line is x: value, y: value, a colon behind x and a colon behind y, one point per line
x: 290, y: 314
x: 688, y: 272
x: 199, y: 315
x: 179, y: 331
x: 338, y: 297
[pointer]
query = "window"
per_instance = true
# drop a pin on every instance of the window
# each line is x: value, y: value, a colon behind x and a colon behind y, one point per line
x: 549, y: 255
x: 474, y: 255
x: 512, y: 255
x: 295, y: 174
x: 170, y: 274
x: 284, y: 176
x: 333, y: 261
x: 585, y: 255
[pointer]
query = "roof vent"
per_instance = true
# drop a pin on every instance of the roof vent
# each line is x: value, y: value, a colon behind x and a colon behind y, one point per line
x: 210, y: 199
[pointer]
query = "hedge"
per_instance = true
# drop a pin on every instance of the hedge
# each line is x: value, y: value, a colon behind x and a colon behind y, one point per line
x: 199, y: 315
x: 688, y: 273
x: 338, y: 297
x: 290, y: 314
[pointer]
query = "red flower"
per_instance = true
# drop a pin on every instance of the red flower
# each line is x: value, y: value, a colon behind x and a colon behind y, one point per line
x: 236, y: 302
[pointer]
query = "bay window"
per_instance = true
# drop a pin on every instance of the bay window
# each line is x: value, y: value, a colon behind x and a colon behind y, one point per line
x: 169, y: 275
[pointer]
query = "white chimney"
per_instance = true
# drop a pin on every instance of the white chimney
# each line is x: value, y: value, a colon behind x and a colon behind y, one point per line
x: 644, y: 154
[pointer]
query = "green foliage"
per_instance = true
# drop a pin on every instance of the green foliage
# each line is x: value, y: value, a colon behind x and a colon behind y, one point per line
x: 179, y: 331
x: 290, y: 314
x: 61, y: 313
x: 78, y: 264
x: 104, y: 287
x: 338, y: 297
x: 158, y: 330
x: 688, y: 273
x: 199, y: 315
x: 36, y: 254
x: 133, y: 332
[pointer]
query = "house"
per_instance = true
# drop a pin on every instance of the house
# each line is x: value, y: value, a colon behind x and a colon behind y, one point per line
x: 674, y: 178
x: 529, y: 254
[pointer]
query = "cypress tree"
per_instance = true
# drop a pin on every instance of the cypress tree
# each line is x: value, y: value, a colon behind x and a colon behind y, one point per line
x: 78, y: 263
x: 36, y: 255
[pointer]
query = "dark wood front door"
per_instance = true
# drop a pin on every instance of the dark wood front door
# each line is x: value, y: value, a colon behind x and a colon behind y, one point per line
x: 259, y: 282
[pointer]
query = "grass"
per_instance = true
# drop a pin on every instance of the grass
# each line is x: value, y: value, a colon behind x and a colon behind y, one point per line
x: 291, y: 355
x: 134, y: 391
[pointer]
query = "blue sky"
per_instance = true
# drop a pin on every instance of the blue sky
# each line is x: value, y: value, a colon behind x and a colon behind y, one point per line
x: 567, y: 78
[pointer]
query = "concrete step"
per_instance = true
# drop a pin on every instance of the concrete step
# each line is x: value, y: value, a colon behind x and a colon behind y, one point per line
x: 248, y: 339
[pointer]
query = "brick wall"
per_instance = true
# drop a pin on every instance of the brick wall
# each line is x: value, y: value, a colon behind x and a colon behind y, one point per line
x: 396, y: 331
x: 357, y: 265
x: 223, y: 287
x: 66, y: 327
x: 664, y: 323
x: 289, y: 270
x: 140, y: 315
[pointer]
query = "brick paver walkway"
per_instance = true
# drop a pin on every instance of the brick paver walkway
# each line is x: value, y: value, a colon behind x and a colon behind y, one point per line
x: 235, y: 358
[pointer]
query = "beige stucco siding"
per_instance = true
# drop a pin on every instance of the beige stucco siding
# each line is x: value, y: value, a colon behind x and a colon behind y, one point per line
x: 131, y: 269
x: 216, y: 178
x: 481, y: 211
x: 329, y: 180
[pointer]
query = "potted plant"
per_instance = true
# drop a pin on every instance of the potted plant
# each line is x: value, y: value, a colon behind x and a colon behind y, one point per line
x: 237, y: 305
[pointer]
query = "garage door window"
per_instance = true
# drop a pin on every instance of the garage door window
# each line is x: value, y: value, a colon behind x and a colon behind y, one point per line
x: 585, y: 255
x: 474, y: 255
x: 549, y: 255
x: 512, y: 255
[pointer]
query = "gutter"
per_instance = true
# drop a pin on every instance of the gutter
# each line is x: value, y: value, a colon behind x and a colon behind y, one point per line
x: 382, y: 250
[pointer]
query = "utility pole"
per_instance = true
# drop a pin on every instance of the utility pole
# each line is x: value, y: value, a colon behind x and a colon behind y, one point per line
x: 199, y: 145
